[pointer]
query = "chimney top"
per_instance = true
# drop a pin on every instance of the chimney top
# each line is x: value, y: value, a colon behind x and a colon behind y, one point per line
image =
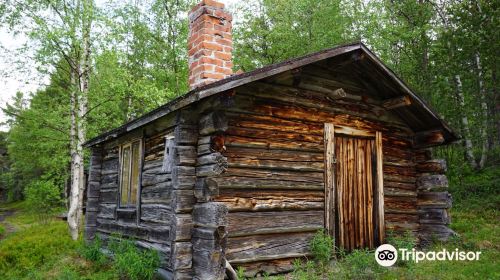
x: 210, y: 43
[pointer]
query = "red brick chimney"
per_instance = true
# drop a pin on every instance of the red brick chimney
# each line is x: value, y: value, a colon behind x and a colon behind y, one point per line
x: 210, y: 43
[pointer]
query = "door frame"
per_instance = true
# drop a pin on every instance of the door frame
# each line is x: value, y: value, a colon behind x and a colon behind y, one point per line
x: 331, y: 226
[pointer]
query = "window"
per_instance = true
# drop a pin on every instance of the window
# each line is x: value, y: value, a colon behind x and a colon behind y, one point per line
x: 130, y: 160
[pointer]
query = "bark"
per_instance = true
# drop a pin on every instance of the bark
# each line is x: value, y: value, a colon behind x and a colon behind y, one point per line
x: 74, y: 192
x: 496, y: 105
x: 484, y: 112
x: 81, y: 75
x: 469, y: 154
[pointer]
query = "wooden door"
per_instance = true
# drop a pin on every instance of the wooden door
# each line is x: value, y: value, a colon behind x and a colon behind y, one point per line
x: 354, y: 201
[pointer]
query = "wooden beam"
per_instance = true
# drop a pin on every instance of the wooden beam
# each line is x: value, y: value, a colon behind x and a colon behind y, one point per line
x: 428, y: 138
x: 397, y: 102
x: 380, y: 186
x: 330, y: 179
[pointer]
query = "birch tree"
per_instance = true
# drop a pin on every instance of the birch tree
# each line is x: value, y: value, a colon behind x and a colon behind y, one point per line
x: 61, y: 29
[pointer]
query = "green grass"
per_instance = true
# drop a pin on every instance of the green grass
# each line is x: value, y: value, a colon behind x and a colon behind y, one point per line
x: 44, y: 251
x: 2, y: 230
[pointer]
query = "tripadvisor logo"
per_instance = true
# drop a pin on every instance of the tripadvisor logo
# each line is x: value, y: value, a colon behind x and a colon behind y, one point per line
x: 387, y: 255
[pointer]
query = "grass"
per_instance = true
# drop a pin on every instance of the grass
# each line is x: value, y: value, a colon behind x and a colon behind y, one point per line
x: 44, y: 251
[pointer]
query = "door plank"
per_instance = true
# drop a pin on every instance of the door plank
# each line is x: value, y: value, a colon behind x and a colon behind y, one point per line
x: 329, y: 134
x: 380, y: 187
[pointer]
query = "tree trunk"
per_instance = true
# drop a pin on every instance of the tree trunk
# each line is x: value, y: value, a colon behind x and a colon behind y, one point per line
x: 74, y: 192
x: 469, y: 153
x: 496, y: 105
x: 484, y: 112
x: 79, y: 99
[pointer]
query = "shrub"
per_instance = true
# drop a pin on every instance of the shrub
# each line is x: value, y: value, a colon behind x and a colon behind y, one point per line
x: 132, y: 263
x: 322, y: 247
x: 359, y: 264
x: 92, y: 251
x: 304, y: 271
x: 32, y: 247
x: 2, y: 230
x: 241, y: 273
x: 43, y: 199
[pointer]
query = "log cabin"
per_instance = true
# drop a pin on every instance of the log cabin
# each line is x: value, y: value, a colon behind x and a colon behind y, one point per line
x: 244, y: 169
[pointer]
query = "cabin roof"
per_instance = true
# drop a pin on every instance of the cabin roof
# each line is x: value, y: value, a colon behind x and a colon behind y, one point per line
x: 419, y: 116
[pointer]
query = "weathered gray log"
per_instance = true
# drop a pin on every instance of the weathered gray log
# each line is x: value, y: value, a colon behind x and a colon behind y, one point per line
x: 168, y: 155
x: 147, y: 232
x: 183, y: 200
x: 432, y: 232
x: 209, y: 240
x: 434, y: 216
x: 156, y: 213
x: 108, y: 196
x: 213, y: 122
x: 239, y: 182
x: 253, y: 223
x: 211, y: 170
x: 157, y: 194
x: 111, y: 179
x: 213, y: 158
x: 185, y: 155
x: 205, y: 189
x: 106, y: 211
x: 182, y: 227
x: 432, y: 182
x: 210, y: 214
x: 434, y: 200
x: 182, y: 253
x: 149, y: 179
x: 432, y: 166
x: 153, y: 165
x: 183, y: 177
x: 268, y: 247
x: 270, y: 174
x: 186, y: 134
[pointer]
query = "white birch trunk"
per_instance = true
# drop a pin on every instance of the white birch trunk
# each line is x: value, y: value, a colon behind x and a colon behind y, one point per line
x: 74, y: 191
x: 484, y: 112
x: 469, y: 153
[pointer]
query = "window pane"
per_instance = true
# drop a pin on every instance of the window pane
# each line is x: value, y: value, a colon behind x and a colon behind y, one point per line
x: 136, y: 165
x: 125, y: 183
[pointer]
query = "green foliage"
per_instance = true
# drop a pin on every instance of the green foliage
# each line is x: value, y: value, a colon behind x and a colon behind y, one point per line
x: 322, y: 246
x: 132, y: 263
x: 92, y: 252
x: 32, y: 248
x: 305, y: 270
x: 2, y: 230
x: 43, y: 199
x: 359, y: 264
x: 240, y: 272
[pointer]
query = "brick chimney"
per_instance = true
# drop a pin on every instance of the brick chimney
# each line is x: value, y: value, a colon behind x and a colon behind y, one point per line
x: 210, y: 43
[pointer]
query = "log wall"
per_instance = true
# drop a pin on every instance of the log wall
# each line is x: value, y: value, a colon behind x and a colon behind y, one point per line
x: 274, y: 184
x: 434, y: 200
x: 163, y: 220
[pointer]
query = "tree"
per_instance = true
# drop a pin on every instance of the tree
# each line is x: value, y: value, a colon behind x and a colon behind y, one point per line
x: 62, y: 30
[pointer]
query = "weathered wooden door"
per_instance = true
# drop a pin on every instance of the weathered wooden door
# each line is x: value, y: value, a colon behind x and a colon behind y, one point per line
x: 353, y: 187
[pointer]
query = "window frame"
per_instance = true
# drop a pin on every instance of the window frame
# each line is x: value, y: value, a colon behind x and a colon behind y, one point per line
x: 129, y: 144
